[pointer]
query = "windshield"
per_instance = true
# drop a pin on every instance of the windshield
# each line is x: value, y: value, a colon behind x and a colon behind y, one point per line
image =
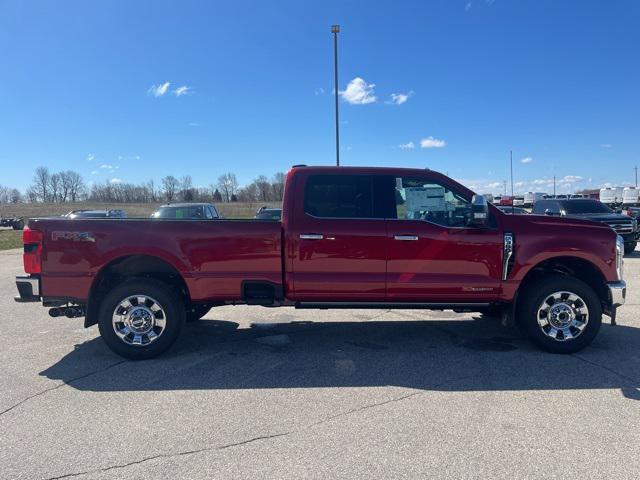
x: 580, y: 206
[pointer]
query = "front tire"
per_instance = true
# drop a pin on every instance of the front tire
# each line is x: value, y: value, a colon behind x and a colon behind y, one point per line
x: 630, y: 247
x: 141, y: 318
x: 560, y: 314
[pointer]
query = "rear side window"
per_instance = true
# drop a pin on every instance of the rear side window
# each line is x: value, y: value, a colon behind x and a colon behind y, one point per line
x: 339, y: 196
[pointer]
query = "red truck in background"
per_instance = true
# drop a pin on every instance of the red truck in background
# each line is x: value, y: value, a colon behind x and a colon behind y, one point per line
x: 349, y: 237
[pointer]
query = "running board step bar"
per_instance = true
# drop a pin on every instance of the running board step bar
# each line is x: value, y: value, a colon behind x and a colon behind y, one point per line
x: 399, y: 306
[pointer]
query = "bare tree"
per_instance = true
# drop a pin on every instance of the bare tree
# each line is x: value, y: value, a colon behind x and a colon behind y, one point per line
x: 170, y: 186
x: 278, y: 186
x: 228, y: 185
x: 40, y: 186
x: 75, y: 185
x: 263, y: 188
x: 15, y: 196
x: 55, y: 185
x: 186, y: 189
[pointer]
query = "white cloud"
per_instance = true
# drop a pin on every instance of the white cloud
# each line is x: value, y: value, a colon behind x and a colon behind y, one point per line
x: 407, y: 146
x: 194, y: 124
x: 94, y: 172
x: 527, y: 160
x: 400, y: 98
x: 359, y: 92
x: 606, y: 145
x: 570, y: 179
x: 90, y: 157
x: 183, y: 90
x: 431, y: 142
x: 106, y: 166
x: 319, y: 91
x: 115, y: 180
x: 159, y: 90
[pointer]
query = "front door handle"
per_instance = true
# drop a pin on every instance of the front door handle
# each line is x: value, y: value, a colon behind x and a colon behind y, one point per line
x: 311, y: 236
x: 406, y: 238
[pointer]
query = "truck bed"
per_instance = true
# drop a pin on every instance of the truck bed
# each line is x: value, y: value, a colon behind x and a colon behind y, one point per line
x: 213, y: 256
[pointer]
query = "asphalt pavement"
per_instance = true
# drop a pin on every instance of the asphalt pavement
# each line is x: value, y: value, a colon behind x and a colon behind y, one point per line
x: 252, y: 392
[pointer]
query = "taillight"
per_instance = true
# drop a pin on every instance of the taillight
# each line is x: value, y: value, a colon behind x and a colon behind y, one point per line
x: 32, y: 257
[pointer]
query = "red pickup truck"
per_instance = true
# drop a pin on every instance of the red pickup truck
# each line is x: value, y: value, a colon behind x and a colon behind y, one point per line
x: 348, y: 238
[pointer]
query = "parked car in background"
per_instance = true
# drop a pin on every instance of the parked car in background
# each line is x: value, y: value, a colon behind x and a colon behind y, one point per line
x: 630, y: 196
x: 611, y: 195
x: 513, y: 210
x: 532, y: 197
x: 96, y: 214
x: 589, y: 209
x: 496, y: 199
x: 518, y: 201
x: 13, y: 222
x: 269, y: 214
x: 506, y: 200
x: 187, y: 211
x: 577, y: 195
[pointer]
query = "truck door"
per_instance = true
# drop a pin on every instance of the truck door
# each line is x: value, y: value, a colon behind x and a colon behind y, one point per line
x: 337, y: 242
x: 433, y: 255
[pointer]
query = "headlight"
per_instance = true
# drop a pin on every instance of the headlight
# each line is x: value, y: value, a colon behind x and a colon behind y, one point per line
x: 619, y: 256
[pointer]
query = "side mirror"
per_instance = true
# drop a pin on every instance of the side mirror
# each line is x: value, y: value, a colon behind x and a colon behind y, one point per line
x: 479, y: 212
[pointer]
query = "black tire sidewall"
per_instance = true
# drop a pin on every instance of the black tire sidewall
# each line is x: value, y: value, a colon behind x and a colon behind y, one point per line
x: 533, y: 297
x: 168, y: 299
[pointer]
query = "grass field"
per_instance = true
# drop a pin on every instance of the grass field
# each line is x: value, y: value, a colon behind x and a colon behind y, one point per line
x: 10, y: 239
x: 13, y: 239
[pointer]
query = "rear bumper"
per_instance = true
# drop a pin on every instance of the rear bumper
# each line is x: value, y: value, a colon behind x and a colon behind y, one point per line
x: 28, y: 289
x: 617, y: 293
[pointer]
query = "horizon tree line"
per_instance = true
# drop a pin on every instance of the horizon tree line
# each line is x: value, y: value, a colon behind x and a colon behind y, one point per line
x: 69, y: 187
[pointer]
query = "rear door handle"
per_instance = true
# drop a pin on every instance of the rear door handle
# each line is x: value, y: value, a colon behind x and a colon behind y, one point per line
x: 311, y: 236
x: 406, y: 238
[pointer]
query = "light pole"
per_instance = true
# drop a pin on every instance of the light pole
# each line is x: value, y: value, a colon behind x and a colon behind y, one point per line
x: 335, y: 29
x: 636, y: 169
x: 511, y: 166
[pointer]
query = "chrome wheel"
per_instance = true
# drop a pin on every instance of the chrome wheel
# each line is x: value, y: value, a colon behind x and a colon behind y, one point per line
x: 563, y: 316
x: 139, y: 320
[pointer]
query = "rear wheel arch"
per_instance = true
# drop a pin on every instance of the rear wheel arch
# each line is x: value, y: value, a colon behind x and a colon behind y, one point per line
x: 132, y: 266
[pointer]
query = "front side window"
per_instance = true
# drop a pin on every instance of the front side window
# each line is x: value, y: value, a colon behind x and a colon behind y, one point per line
x: 208, y: 212
x: 423, y: 199
x: 339, y: 196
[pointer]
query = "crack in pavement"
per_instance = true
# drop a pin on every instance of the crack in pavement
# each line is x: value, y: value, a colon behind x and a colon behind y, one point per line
x: 235, y: 444
x: 608, y: 369
x: 162, y: 455
x: 64, y: 383
x: 364, y: 407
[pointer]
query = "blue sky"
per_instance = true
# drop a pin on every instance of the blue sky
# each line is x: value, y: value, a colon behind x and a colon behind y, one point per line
x: 556, y: 81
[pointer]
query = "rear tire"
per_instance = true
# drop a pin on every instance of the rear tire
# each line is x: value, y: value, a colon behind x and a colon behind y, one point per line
x: 559, y: 314
x: 630, y: 247
x: 140, y: 318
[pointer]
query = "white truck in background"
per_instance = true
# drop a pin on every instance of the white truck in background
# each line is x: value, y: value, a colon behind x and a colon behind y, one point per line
x: 631, y: 196
x: 611, y: 195
x: 532, y: 197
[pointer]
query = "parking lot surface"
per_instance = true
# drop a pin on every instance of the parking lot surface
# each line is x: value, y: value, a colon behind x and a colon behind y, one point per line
x: 251, y: 392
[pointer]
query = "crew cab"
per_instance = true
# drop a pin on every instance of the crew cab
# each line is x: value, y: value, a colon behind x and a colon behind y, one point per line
x: 350, y: 237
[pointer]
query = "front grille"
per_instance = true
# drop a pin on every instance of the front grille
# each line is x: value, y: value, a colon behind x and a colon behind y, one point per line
x: 621, y: 226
